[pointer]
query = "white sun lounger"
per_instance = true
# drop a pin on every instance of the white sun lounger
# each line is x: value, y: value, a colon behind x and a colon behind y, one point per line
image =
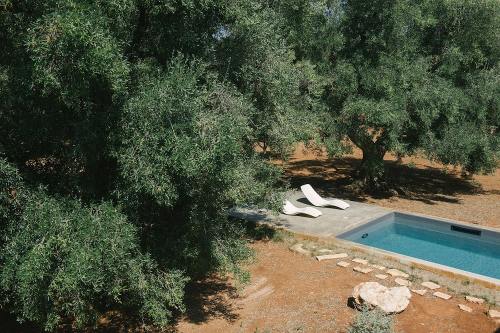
x: 290, y: 209
x: 318, y: 201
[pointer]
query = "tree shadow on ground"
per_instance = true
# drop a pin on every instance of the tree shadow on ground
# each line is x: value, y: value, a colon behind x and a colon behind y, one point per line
x: 335, y: 178
x: 214, y: 296
x: 258, y: 232
x: 210, y: 298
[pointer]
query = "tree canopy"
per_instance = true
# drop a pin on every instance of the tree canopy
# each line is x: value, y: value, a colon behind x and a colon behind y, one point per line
x: 129, y: 128
x: 406, y: 77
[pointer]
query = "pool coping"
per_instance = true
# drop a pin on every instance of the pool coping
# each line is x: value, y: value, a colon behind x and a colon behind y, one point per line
x: 452, y: 272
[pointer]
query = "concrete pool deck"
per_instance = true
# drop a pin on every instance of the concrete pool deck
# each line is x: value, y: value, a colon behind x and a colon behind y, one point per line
x: 333, y: 222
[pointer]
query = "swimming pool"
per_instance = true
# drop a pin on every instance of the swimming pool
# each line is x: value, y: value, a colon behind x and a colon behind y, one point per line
x: 460, y: 246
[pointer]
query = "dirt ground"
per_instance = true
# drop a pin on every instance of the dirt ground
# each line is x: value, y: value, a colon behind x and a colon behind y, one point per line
x: 290, y: 292
x: 424, y: 187
x: 294, y: 293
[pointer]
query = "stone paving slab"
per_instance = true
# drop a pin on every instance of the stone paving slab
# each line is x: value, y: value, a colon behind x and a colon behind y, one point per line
x: 299, y: 249
x: 363, y: 270
x: 343, y: 264
x: 402, y: 282
x: 332, y: 256
x: 476, y: 300
x: 379, y: 267
x: 397, y: 273
x: 420, y: 292
x: 442, y: 295
x: 360, y: 261
x: 494, y: 314
x: 332, y: 223
x: 430, y: 285
x: 464, y: 307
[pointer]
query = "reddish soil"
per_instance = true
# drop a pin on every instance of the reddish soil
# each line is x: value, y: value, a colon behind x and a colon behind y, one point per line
x: 295, y: 293
x: 424, y: 187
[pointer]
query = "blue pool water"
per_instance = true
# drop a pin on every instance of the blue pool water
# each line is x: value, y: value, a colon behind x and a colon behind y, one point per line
x: 432, y: 240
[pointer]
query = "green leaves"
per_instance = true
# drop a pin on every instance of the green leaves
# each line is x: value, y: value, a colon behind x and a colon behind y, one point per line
x: 186, y: 154
x: 408, y: 73
x: 62, y: 260
x: 284, y: 91
x: 73, y: 55
x: 158, y: 106
x: 180, y: 135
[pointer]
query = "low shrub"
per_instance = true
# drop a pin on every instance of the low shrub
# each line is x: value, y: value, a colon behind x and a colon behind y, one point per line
x: 372, y: 321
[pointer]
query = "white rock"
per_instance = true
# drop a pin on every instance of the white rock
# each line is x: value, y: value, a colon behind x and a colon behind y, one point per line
x: 442, y: 295
x: 381, y: 276
x: 343, y: 264
x: 362, y: 270
x: 397, y: 273
x: 360, y: 261
x: 402, y: 282
x: 331, y: 256
x: 474, y: 299
x: 431, y: 285
x: 421, y: 292
x: 325, y: 251
x: 389, y: 300
x: 494, y: 314
x: 299, y: 249
x: 464, y: 308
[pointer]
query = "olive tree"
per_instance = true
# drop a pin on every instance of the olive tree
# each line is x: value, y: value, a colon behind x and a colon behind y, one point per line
x: 405, y: 77
x: 124, y: 142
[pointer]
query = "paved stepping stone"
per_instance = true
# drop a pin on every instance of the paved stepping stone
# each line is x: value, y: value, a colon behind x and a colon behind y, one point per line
x: 343, y: 264
x: 431, y: 285
x: 299, y: 249
x: 332, y: 256
x: 325, y: 251
x: 381, y: 276
x: 494, y: 314
x: 380, y: 268
x: 363, y: 270
x: 421, y: 292
x: 360, y: 261
x: 402, y: 282
x: 474, y: 299
x: 464, y: 308
x: 442, y: 295
x: 397, y: 273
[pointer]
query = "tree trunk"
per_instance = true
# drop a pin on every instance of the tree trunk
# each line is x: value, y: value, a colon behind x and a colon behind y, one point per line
x: 372, y: 170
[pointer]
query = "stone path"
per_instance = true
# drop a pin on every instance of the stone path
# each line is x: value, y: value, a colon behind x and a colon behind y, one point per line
x: 442, y: 295
x: 332, y: 256
x: 420, y: 292
x: 464, y: 308
x: 400, y: 278
x: 343, y: 264
x: 474, y: 299
x: 431, y: 285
